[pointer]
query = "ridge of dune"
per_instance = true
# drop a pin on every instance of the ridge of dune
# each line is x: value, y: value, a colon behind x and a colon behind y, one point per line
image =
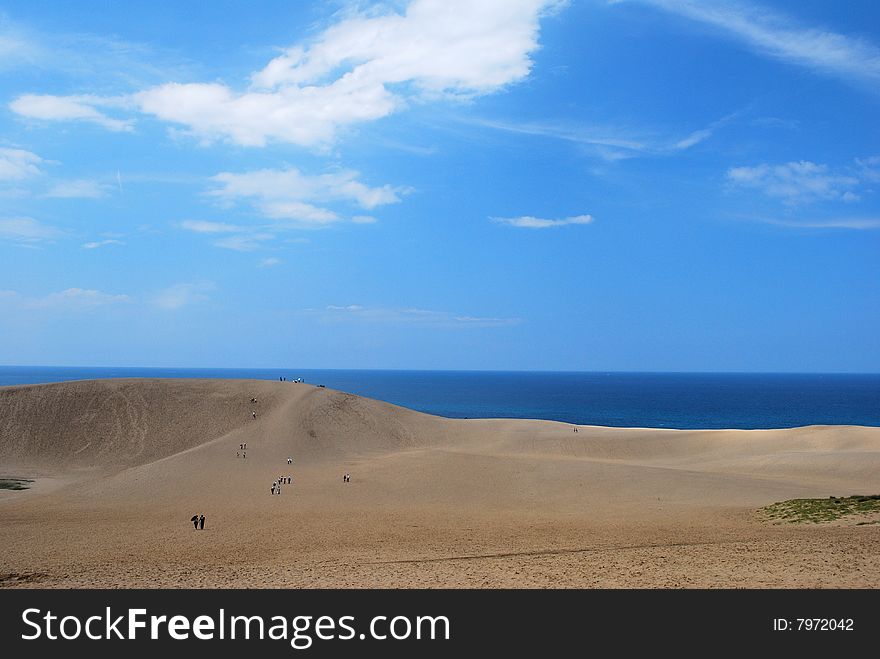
x: 129, y: 422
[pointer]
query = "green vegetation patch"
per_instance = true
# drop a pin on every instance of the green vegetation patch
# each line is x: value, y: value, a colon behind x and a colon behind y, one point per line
x: 14, y: 483
x: 821, y: 510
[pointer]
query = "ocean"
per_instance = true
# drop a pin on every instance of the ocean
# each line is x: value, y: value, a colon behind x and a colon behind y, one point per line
x: 648, y: 400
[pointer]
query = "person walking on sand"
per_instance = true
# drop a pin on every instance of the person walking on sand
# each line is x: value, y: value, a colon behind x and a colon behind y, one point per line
x: 201, y: 522
x: 195, y: 520
x: 273, y: 488
x: 254, y: 413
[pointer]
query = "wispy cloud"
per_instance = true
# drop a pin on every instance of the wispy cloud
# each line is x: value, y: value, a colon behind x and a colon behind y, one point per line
x: 853, y: 223
x: 99, y: 59
x: 71, y: 108
x: 529, y: 222
x: 201, y: 226
x: 245, y: 242
x: 288, y: 194
x: 869, y: 168
x: 610, y: 143
x: 16, y: 46
x: 270, y: 262
x: 183, y: 294
x: 83, y: 189
x: 102, y: 243
x: 236, y: 237
x: 71, y: 299
x: 796, y: 183
x: 771, y: 33
x: 27, y: 231
x: 18, y: 164
x: 406, y: 316
x: 704, y: 134
x: 76, y: 299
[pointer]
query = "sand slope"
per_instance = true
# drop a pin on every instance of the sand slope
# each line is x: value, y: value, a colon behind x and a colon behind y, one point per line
x: 121, y: 465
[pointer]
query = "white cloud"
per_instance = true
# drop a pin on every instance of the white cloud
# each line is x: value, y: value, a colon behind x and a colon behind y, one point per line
x: 15, y: 47
x: 610, y: 143
x: 74, y: 299
x: 18, y: 164
x: 529, y: 222
x: 307, y: 116
x: 291, y: 195
x: 71, y: 299
x: 102, y: 243
x: 774, y: 34
x: 439, y: 46
x: 363, y: 219
x: 348, y: 307
x: 245, y: 242
x: 869, y: 168
x: 362, y: 68
x: 70, y: 108
x: 694, y: 138
x: 78, y: 189
x: 408, y: 316
x: 27, y: 230
x: 795, y: 183
x: 297, y: 211
x: 200, y: 226
x: 240, y: 238
x: 269, y: 262
x: 856, y: 223
x: 104, y: 61
x: 180, y: 295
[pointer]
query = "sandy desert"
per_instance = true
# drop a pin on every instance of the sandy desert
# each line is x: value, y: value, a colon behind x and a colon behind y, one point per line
x: 120, y: 466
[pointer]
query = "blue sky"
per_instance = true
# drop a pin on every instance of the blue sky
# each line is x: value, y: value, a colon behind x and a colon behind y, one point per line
x: 510, y: 184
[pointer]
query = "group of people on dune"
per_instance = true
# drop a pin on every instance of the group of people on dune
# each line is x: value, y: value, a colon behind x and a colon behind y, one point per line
x: 199, y: 520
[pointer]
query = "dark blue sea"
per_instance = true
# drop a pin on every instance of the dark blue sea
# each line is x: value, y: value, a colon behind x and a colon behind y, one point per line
x: 651, y: 400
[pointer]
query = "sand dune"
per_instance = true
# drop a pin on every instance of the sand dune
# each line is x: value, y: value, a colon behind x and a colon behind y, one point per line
x: 121, y: 465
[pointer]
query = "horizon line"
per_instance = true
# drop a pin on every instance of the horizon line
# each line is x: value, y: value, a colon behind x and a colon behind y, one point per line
x: 447, y: 370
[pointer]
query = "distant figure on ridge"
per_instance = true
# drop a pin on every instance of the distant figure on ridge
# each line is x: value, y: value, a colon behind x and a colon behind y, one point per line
x: 201, y: 522
x: 254, y: 413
